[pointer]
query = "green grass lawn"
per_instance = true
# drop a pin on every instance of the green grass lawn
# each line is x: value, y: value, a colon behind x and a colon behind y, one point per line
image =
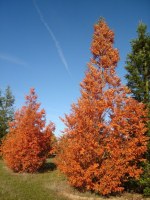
x: 49, y: 184
x: 41, y: 186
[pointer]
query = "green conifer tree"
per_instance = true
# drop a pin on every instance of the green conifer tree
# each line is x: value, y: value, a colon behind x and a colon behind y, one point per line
x: 6, y: 111
x: 138, y: 77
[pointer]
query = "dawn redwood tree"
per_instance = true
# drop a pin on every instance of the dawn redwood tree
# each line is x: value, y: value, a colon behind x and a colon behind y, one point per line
x: 27, y: 144
x: 104, y: 139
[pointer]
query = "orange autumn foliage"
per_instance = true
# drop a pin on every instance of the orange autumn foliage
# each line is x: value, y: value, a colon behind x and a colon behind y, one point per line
x: 27, y: 145
x: 53, y: 143
x: 104, y: 139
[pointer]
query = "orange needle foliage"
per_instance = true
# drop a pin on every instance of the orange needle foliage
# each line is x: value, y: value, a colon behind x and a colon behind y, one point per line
x: 27, y: 145
x: 105, y: 136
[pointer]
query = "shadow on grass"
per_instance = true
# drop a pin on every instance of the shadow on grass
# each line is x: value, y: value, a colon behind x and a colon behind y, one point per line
x: 48, y: 166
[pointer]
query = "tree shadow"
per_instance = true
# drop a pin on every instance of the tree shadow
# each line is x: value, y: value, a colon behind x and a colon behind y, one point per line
x: 48, y: 166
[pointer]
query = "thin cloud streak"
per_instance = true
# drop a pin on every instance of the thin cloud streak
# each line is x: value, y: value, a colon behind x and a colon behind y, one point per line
x: 60, y: 52
x: 12, y: 59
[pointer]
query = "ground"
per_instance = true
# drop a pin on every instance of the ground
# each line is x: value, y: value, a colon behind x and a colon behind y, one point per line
x: 48, y: 184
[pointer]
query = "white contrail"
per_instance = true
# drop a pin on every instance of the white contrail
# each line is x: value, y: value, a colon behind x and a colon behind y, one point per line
x: 12, y: 59
x: 60, y: 52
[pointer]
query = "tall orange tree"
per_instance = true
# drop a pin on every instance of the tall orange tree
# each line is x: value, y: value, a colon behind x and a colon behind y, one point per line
x: 27, y: 145
x: 104, y: 139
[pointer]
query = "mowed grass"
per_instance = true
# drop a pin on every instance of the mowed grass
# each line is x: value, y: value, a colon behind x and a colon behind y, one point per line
x: 40, y: 186
x: 49, y: 184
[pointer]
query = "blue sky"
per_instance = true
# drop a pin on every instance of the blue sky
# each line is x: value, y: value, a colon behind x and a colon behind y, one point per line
x: 45, y: 44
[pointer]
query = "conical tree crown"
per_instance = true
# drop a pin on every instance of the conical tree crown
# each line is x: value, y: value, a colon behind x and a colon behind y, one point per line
x: 29, y: 115
x: 105, y: 135
x: 27, y: 145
